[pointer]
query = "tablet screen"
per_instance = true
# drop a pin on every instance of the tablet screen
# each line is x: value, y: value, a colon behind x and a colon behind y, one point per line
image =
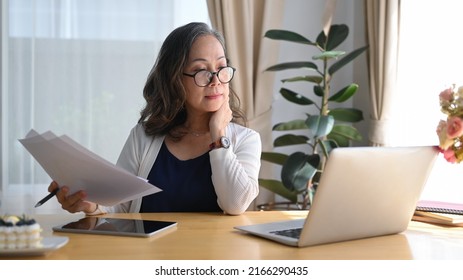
x: 114, y: 226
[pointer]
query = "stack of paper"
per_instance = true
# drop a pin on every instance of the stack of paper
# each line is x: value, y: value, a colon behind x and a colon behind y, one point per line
x: 438, y: 218
x: 71, y: 165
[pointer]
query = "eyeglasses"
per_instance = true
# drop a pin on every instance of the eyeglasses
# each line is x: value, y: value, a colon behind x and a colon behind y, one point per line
x: 203, y: 78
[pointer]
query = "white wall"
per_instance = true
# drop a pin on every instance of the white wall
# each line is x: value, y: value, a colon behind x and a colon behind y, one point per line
x: 305, y: 18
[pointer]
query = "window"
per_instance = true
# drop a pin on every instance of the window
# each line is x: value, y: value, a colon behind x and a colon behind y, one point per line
x: 430, y: 61
x: 76, y: 67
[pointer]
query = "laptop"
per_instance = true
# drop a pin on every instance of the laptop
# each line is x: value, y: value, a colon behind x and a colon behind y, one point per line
x: 364, y: 192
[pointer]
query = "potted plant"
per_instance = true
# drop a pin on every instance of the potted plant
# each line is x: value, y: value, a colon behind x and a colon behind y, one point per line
x: 328, y: 129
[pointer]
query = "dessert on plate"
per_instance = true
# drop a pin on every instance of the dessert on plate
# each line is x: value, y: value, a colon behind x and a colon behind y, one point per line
x: 19, y: 232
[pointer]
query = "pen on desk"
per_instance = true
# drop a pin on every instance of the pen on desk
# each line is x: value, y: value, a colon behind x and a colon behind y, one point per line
x: 45, y: 199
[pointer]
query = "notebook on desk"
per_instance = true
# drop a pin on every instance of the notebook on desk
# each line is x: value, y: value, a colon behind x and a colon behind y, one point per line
x: 364, y: 192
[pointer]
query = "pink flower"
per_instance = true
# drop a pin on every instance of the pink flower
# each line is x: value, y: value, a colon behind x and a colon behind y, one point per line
x: 446, y: 95
x: 444, y: 141
x: 450, y: 132
x: 454, y: 127
x: 449, y: 156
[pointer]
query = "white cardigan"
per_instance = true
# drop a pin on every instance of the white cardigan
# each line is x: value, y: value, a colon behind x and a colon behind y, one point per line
x: 235, y: 170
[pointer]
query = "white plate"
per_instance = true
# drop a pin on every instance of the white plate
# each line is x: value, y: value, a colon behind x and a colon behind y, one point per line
x: 49, y: 244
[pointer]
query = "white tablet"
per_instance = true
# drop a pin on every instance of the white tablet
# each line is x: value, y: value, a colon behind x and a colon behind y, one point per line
x: 115, y: 226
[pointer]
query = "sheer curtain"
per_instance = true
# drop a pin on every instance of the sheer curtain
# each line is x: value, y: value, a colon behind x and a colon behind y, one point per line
x: 76, y: 67
x: 383, y: 26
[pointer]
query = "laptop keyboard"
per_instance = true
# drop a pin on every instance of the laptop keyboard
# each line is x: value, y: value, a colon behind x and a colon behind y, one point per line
x: 293, y: 232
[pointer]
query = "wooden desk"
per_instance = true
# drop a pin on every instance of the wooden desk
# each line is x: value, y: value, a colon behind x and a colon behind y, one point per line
x: 211, y: 236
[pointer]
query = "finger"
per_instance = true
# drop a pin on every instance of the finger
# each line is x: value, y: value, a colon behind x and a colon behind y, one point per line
x: 62, y: 195
x: 75, y: 198
x: 70, y: 202
x: 53, y: 185
x: 227, y: 101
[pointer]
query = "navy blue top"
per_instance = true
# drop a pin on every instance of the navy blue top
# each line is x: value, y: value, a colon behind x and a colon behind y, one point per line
x: 186, y: 185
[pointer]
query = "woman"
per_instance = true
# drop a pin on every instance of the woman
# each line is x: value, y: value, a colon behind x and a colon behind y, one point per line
x: 190, y: 140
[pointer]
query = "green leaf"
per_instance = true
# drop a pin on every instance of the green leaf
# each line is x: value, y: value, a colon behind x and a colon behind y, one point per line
x: 278, y: 188
x: 290, y: 139
x: 327, y: 146
x: 292, y: 65
x: 320, y: 125
x: 344, y: 94
x: 295, y: 97
x: 285, y: 35
x: 346, y: 131
x: 312, y: 79
x: 337, y: 34
x: 277, y: 158
x: 345, y: 60
x: 291, y: 125
x: 328, y: 55
x: 346, y: 114
x: 318, y: 90
x: 298, y: 169
x: 340, y: 140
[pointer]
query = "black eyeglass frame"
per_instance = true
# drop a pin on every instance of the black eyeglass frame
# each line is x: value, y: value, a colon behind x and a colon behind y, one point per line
x: 212, y: 76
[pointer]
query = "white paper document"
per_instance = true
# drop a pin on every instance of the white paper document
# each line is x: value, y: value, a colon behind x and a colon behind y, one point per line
x: 72, y: 165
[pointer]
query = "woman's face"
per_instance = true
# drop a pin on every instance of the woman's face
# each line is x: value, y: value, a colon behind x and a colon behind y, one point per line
x: 206, y: 54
